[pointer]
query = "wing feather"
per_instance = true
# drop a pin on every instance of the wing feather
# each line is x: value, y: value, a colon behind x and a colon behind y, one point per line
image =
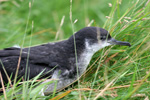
x: 34, y: 61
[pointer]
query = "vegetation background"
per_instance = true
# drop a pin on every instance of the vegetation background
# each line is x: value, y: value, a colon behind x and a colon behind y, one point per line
x: 114, y: 72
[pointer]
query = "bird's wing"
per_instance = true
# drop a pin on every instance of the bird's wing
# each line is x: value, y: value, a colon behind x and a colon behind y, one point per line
x: 33, y: 60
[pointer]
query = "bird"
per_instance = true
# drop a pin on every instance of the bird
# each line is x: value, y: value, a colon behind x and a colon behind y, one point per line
x: 64, y: 60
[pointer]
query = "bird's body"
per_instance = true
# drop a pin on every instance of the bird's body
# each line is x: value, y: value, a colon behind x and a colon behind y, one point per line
x: 65, y: 60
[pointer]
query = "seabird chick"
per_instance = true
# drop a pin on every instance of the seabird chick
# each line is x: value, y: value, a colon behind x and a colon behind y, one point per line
x: 58, y: 60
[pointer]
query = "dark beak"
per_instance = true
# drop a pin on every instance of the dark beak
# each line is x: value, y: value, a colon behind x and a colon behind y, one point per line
x: 115, y: 42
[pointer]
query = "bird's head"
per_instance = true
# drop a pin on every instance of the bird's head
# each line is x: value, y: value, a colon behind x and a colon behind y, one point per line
x: 96, y: 38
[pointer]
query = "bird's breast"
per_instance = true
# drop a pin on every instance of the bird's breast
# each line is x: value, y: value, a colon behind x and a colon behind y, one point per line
x: 84, y: 60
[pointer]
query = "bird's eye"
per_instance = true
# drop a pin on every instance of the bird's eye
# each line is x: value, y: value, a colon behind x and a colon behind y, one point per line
x: 102, y: 37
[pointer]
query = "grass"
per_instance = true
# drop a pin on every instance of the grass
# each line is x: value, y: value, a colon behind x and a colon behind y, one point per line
x: 115, y: 72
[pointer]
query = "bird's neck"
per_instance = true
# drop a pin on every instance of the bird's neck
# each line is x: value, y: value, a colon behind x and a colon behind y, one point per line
x: 76, y: 46
x: 86, y: 56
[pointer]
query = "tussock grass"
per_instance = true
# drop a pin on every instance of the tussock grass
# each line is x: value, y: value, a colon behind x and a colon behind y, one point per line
x: 115, y: 72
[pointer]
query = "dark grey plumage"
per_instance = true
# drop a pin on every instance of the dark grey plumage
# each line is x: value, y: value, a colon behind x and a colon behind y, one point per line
x: 59, y: 56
